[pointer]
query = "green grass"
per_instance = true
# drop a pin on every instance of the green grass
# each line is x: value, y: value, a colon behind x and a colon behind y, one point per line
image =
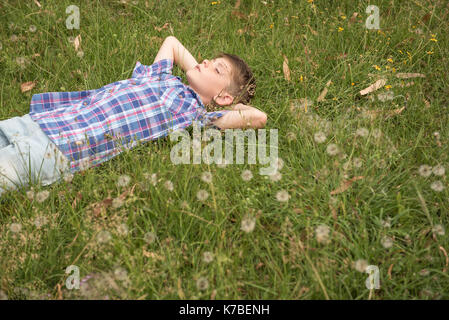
x: 267, y: 263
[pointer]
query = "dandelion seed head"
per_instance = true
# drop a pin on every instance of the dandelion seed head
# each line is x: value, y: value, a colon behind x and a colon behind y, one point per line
x: 357, y: 162
x: 80, y: 54
x: 386, y: 223
x: 361, y: 265
x: 279, y: 163
x: 68, y: 177
x: 149, y: 237
x: 30, y: 194
x: 168, y: 185
x: 202, y: 284
x: 362, y: 132
x: 425, y: 170
x: 32, y: 28
x: 319, y: 137
x: 206, y: 177
x: 247, y: 175
x: 248, y: 224
x: 117, y: 203
x: 282, y: 196
x: 42, y: 196
x: 277, y: 176
x: 386, y: 242
x: 202, y: 195
x: 332, y: 149
x: 123, y: 180
x: 439, y: 230
x: 438, y: 170
x: 40, y: 221
x: 121, y: 274
x: 123, y: 229
x: 208, y: 257
x: 437, y: 186
x: 103, y: 236
x: 377, y: 133
x: 15, y: 227
x: 322, y: 234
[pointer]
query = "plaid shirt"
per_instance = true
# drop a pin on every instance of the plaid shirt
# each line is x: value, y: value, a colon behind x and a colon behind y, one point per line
x: 91, y: 127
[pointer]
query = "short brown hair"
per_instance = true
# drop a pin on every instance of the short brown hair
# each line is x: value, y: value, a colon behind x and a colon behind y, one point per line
x: 243, y: 84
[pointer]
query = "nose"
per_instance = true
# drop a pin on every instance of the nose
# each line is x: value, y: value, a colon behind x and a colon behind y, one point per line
x: 206, y: 62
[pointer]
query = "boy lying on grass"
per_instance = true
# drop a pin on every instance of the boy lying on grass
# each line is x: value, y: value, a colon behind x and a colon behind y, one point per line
x: 66, y: 132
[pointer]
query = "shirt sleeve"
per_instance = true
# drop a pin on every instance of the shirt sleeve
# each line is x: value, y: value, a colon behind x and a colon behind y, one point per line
x: 157, y: 68
x: 206, y: 119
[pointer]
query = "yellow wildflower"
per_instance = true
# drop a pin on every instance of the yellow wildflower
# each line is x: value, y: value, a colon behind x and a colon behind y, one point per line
x: 340, y: 29
x: 388, y: 87
x: 429, y: 52
x: 376, y: 67
x: 390, y: 60
x: 271, y: 26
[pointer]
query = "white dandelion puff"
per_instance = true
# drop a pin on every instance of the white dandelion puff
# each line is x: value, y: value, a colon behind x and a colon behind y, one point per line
x: 15, y: 227
x: 282, y: 196
x: 42, y: 196
x: 386, y: 223
x: 117, y: 203
x: 206, y: 177
x: 68, y: 177
x: 208, y: 257
x: 439, y: 230
x: 361, y: 265
x: 202, y: 195
x: 319, y: 137
x: 276, y: 176
x: 386, y: 96
x: 322, y: 234
x: 32, y: 28
x: 357, y: 162
x: 362, y: 132
x: 149, y: 237
x: 168, y: 185
x: 80, y: 54
x: 247, y: 175
x: 40, y: 221
x: 104, y: 236
x: 30, y: 194
x: 437, y: 186
x: 121, y: 274
x: 202, y: 284
x: 123, y: 229
x: 332, y: 149
x: 123, y: 180
x: 438, y: 170
x: 377, y: 133
x: 386, y: 242
x: 425, y: 170
x: 279, y: 163
x: 248, y: 224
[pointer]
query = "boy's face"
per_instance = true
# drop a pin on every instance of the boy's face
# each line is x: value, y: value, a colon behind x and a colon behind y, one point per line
x: 210, y: 79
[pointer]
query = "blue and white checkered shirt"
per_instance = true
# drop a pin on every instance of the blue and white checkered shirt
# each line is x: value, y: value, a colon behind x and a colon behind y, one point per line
x: 91, y: 127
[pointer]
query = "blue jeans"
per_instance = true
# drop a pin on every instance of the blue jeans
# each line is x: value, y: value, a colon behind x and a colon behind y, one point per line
x: 27, y: 155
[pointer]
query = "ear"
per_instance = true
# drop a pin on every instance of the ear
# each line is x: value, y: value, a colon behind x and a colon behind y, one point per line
x: 224, y: 99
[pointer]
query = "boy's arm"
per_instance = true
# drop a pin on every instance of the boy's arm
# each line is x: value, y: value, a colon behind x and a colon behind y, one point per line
x: 242, y: 116
x: 173, y: 49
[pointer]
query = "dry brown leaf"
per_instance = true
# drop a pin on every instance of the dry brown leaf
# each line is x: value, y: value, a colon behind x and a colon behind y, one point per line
x: 286, y: 69
x: 27, y: 86
x: 389, y: 271
x: 313, y: 31
x: 409, y: 75
x: 165, y: 26
x: 237, y: 4
x: 324, y: 92
x: 239, y: 14
x: 77, y: 43
x: 389, y: 113
x: 375, y: 86
x: 345, y: 185
x: 152, y: 255
x: 37, y: 3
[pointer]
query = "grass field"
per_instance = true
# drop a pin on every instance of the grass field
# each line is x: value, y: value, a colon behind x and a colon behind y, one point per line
x: 363, y: 176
